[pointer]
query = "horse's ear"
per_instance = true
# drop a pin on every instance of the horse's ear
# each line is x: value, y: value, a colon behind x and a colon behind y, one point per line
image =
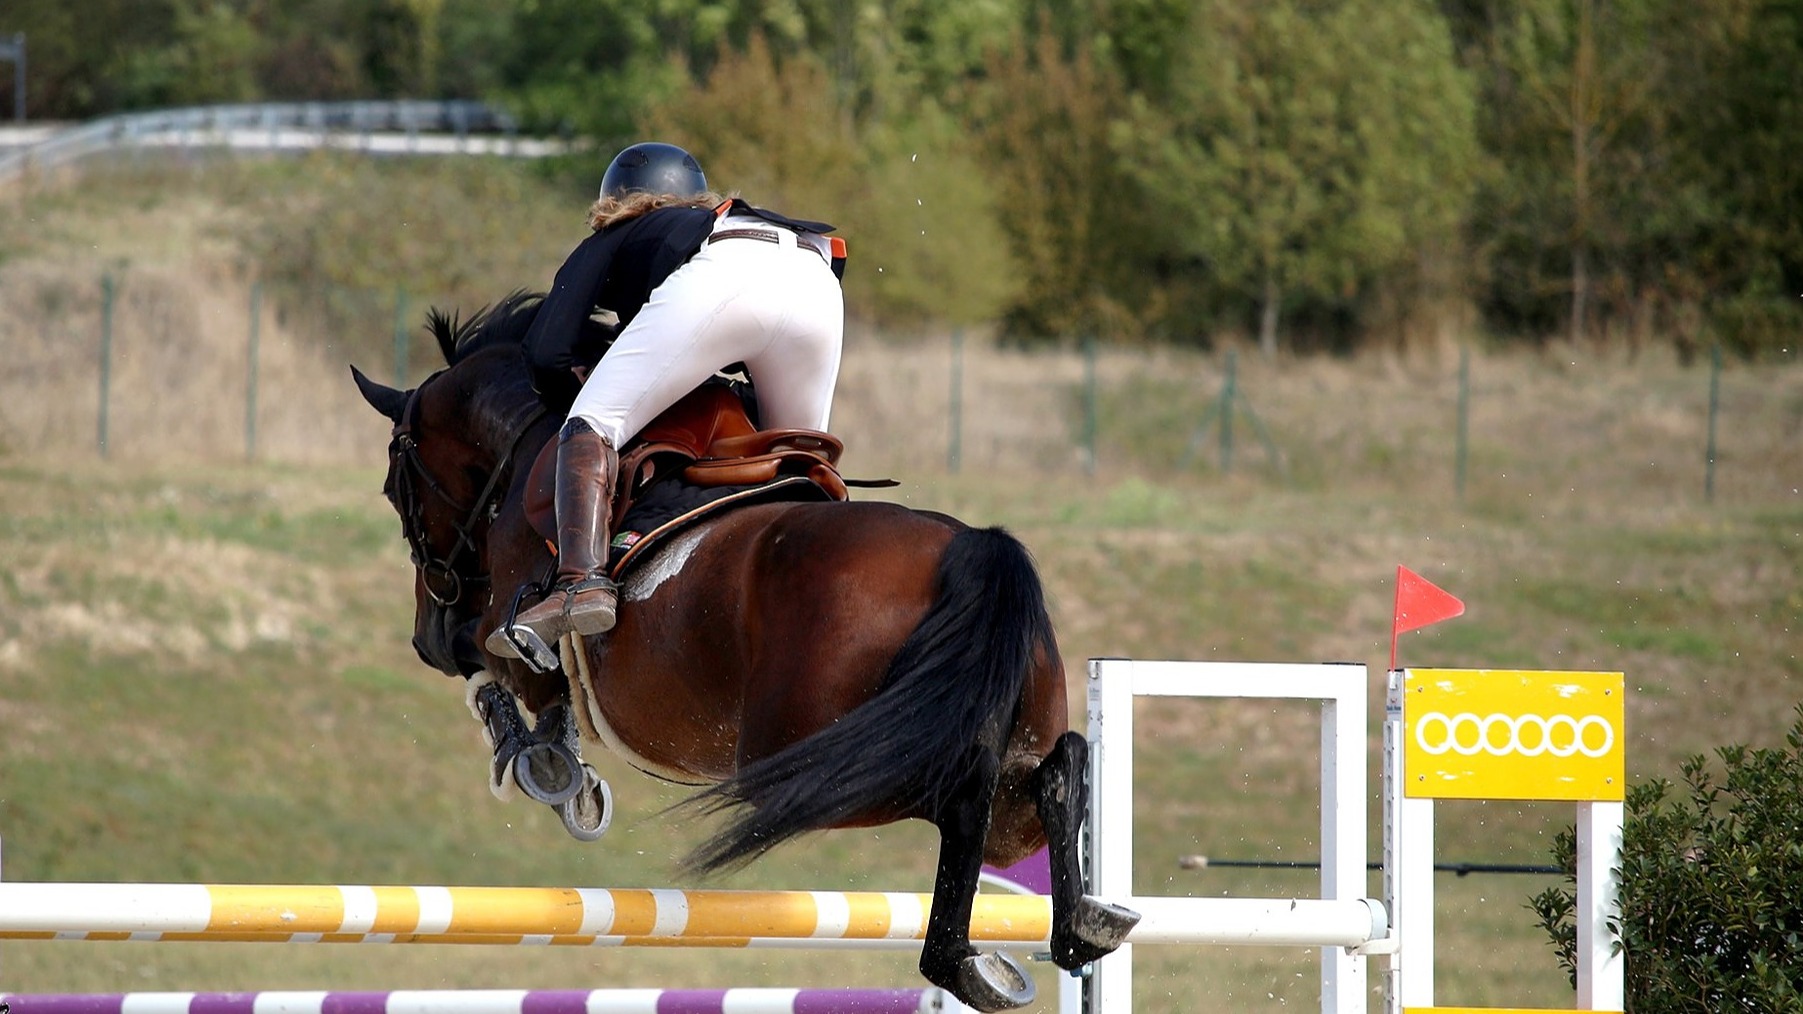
x: 389, y: 401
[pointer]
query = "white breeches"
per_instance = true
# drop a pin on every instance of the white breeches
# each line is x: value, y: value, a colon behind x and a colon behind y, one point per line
x: 776, y: 307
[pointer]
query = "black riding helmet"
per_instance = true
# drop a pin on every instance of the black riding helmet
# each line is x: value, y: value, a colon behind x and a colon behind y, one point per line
x: 653, y: 168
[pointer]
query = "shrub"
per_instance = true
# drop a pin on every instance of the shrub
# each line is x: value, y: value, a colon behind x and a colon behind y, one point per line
x: 1712, y: 886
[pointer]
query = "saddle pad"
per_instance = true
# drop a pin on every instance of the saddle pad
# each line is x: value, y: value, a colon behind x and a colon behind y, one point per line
x: 672, y: 505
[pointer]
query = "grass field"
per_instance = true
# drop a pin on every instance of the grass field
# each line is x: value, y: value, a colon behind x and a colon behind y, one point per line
x: 205, y: 674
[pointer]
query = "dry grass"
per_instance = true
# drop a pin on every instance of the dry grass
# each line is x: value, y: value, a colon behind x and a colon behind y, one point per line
x: 177, y: 378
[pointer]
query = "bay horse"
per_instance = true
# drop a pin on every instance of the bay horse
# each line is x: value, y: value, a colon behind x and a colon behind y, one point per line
x: 820, y: 664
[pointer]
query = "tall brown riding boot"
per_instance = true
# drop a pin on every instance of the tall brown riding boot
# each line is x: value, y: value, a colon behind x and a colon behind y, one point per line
x: 584, y: 599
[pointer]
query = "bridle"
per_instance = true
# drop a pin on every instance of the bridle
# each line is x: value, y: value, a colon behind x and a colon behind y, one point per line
x: 443, y: 582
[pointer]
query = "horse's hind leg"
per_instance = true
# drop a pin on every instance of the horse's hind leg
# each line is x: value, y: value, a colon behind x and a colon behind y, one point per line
x: 987, y: 982
x: 1083, y: 928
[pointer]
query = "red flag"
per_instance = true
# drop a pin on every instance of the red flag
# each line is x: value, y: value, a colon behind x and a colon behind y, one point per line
x: 1419, y: 602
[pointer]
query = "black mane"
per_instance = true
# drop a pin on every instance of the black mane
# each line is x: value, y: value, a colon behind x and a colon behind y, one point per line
x: 497, y: 394
x: 504, y: 323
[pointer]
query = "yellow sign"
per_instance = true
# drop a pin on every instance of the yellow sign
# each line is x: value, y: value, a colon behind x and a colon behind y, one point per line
x: 1512, y: 734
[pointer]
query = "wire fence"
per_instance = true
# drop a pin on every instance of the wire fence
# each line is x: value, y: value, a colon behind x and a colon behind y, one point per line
x: 146, y: 362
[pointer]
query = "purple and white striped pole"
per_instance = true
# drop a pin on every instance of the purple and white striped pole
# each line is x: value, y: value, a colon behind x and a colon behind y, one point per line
x: 497, y: 1001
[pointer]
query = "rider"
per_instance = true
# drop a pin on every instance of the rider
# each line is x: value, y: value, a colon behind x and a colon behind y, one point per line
x: 698, y: 283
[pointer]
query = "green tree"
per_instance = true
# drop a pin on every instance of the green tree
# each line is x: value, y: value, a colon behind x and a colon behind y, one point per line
x: 80, y: 53
x: 1043, y: 120
x: 1622, y: 135
x: 1145, y: 40
x: 916, y: 214
x: 1585, y: 73
x: 1738, y: 123
x: 1309, y: 152
x: 212, y: 56
x: 591, y: 68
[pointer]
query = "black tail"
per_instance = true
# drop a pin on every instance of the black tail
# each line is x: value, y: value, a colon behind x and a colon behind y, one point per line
x: 955, y: 684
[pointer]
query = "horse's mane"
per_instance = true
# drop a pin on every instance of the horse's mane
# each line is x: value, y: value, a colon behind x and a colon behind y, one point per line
x: 498, y: 395
x: 503, y: 323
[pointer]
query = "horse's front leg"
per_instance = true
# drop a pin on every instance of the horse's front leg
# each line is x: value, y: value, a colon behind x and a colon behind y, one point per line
x: 987, y: 982
x: 1083, y: 928
x: 538, y: 761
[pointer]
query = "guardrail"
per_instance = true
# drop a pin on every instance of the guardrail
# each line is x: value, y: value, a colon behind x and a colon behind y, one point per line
x: 398, y: 127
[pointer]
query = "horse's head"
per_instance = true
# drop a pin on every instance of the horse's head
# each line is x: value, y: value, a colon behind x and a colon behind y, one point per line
x: 457, y: 442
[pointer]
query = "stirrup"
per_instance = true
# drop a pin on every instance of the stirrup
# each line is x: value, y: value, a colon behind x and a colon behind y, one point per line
x: 514, y: 640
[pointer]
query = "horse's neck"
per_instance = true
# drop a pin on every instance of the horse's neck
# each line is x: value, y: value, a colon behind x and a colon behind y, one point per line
x: 501, y: 406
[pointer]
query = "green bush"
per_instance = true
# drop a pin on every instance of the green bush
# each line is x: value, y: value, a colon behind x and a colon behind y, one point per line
x: 1712, y: 886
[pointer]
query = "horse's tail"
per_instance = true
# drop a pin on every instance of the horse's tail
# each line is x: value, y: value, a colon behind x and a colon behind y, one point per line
x: 954, y: 686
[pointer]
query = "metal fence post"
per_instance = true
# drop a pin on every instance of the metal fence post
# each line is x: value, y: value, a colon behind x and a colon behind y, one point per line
x: 16, y: 50
x: 400, y: 337
x: 250, y: 377
x: 954, y: 450
x: 1461, y: 454
x: 1715, y: 398
x: 1089, y: 404
x: 106, y: 356
x: 1229, y: 391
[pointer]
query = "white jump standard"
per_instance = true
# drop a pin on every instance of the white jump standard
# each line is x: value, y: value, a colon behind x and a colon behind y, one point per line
x: 1341, y: 920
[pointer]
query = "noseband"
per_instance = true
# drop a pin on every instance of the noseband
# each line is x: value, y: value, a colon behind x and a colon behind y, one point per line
x: 444, y: 583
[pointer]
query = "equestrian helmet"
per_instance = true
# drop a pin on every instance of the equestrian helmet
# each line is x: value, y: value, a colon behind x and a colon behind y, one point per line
x: 653, y: 167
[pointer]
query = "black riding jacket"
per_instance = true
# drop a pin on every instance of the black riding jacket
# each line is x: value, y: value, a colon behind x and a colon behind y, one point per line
x: 616, y: 269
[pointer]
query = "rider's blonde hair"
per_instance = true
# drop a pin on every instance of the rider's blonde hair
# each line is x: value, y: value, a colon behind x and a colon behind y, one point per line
x: 612, y: 210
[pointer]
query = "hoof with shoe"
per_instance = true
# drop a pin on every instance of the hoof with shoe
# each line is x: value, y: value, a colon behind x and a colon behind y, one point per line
x: 548, y: 773
x: 587, y: 814
x: 550, y: 769
x: 1096, y: 929
x: 993, y: 982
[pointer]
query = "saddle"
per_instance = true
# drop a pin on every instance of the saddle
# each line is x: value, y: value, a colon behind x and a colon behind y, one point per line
x: 706, y: 444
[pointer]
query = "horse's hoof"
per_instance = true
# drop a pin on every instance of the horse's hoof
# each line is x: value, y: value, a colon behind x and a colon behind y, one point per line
x: 548, y: 773
x: 993, y: 981
x: 587, y: 814
x: 1096, y: 928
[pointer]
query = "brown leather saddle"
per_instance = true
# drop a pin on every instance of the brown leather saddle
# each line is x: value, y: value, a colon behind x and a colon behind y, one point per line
x: 707, y: 440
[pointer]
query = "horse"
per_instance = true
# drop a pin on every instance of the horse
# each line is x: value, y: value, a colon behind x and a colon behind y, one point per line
x: 815, y: 665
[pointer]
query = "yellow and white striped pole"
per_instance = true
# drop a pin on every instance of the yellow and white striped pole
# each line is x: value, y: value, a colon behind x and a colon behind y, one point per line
x: 601, y: 917
x: 487, y: 915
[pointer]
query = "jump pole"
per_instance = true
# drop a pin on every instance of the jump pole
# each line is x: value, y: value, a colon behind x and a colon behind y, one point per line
x: 603, y: 917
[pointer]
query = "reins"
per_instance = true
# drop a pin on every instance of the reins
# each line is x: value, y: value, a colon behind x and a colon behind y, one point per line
x: 405, y: 458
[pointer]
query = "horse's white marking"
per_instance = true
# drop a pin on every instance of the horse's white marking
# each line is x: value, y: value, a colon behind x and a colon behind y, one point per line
x: 664, y: 564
